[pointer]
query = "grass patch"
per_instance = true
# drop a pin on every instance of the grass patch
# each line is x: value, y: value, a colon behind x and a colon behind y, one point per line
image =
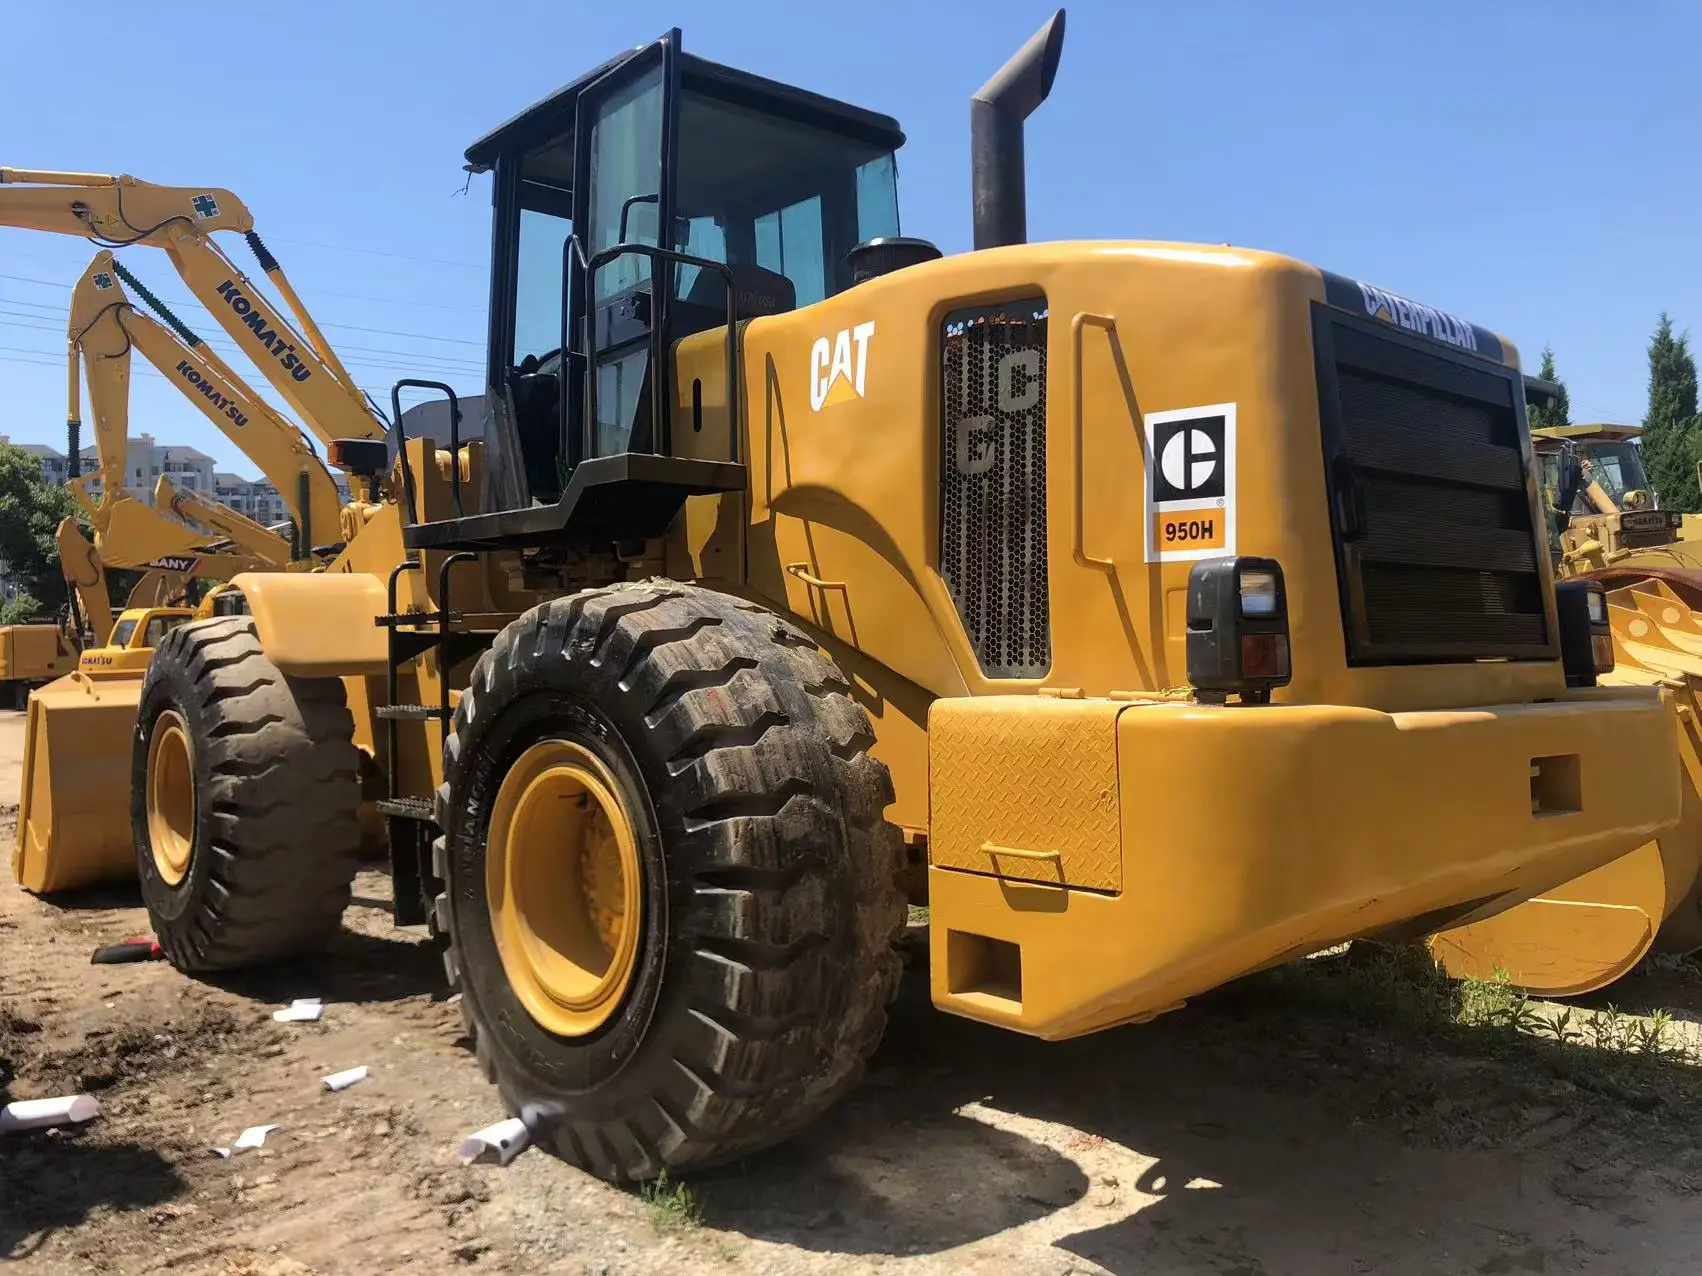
x: 673, y: 1207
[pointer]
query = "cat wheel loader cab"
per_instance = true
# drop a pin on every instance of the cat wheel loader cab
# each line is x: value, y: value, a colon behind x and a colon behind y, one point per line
x: 1606, y: 527
x: 1080, y: 591
x: 68, y: 836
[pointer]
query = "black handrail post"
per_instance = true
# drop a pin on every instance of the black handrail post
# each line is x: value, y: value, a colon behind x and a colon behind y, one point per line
x: 454, y: 440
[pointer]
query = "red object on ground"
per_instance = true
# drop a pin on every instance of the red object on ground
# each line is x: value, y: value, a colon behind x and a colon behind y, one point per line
x: 129, y: 950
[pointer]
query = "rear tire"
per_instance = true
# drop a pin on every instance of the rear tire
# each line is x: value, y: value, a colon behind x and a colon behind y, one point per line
x: 255, y: 863
x: 764, y: 962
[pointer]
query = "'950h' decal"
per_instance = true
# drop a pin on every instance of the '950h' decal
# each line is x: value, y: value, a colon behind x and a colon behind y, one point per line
x: 1190, y: 483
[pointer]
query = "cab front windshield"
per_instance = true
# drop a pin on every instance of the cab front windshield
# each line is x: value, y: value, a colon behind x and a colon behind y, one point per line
x: 752, y: 189
x: 1618, y: 469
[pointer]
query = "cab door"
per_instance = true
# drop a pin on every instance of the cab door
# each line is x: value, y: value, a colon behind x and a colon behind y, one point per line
x: 625, y: 140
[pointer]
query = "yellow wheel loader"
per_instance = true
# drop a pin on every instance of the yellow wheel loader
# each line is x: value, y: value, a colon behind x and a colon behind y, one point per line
x: 1585, y: 934
x: 1081, y: 591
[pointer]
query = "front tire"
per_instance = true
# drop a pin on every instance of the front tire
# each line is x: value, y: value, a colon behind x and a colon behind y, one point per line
x: 244, y: 797
x: 710, y: 759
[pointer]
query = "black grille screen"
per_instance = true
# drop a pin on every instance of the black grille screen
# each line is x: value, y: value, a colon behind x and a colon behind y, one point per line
x: 993, y: 483
x: 1430, y: 500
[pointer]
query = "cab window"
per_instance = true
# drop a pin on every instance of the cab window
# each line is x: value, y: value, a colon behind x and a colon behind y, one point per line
x: 159, y: 627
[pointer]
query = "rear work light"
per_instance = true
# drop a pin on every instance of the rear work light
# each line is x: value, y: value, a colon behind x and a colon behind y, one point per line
x: 1237, y: 629
x: 1586, y: 638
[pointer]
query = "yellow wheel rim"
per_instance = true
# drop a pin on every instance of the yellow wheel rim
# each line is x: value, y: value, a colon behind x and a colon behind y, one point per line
x: 171, y: 798
x: 563, y: 882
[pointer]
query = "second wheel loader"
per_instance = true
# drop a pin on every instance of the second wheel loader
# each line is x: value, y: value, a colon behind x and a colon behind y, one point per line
x: 1075, y: 590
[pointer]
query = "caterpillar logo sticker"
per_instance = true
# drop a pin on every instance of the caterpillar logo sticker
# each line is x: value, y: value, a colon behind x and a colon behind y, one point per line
x: 837, y: 366
x: 1190, y: 483
x: 175, y: 563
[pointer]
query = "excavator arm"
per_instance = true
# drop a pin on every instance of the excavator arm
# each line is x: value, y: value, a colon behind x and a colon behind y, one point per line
x: 105, y: 326
x: 120, y: 211
x: 243, y: 532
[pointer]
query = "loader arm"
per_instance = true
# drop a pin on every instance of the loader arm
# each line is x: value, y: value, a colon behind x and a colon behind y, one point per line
x: 105, y: 325
x: 120, y: 211
x: 242, y: 531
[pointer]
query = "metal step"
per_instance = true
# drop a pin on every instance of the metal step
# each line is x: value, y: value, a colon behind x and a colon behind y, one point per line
x: 409, y: 712
x: 407, y: 808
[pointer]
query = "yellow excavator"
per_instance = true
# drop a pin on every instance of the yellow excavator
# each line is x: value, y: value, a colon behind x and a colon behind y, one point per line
x: 1080, y: 591
x: 1606, y: 527
x: 66, y: 751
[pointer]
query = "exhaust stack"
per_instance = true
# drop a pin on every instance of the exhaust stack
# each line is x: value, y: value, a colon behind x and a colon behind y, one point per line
x: 996, y: 115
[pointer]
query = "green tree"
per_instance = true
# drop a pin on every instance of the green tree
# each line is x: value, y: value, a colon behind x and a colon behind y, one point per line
x: 1561, y: 413
x: 22, y: 609
x: 1672, y: 435
x: 30, y: 512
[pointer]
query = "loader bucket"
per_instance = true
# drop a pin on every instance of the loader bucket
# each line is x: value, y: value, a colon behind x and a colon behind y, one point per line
x: 1587, y: 933
x: 1575, y: 939
x: 74, y: 824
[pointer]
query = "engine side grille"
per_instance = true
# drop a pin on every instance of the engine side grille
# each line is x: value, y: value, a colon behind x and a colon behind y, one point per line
x: 993, y: 483
x: 1432, y: 504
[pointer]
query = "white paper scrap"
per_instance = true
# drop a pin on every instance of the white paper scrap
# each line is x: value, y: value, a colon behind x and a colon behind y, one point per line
x: 301, y: 1010
x: 37, y: 1114
x: 254, y: 1136
x: 500, y: 1143
x: 343, y: 1080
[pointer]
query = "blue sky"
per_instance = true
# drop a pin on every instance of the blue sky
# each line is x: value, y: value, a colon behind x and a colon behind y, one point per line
x: 1533, y: 167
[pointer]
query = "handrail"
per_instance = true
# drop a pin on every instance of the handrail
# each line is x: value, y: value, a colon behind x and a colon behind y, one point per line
x: 573, y: 250
x: 1081, y: 322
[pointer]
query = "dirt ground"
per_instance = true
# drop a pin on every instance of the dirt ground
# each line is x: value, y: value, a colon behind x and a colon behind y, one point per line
x: 1315, y: 1120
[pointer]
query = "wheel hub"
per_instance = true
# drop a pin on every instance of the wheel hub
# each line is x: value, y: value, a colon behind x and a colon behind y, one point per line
x: 563, y: 882
x: 171, y: 798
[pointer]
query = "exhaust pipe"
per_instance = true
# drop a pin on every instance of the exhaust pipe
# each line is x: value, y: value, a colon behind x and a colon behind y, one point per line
x: 996, y: 114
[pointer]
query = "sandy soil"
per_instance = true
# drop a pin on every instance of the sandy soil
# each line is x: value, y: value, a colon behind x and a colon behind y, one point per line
x: 1308, y: 1121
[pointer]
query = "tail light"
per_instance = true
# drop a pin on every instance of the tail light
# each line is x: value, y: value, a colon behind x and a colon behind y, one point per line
x: 1586, y: 638
x: 1237, y: 629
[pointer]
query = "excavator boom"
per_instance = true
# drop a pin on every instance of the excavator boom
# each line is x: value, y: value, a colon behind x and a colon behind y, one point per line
x: 121, y: 211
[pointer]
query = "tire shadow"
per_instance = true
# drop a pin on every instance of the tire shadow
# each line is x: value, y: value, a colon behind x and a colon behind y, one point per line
x: 356, y: 967
x: 50, y: 1182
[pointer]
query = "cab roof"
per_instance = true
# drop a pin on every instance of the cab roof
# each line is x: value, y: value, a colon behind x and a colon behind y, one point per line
x: 554, y: 115
x: 1612, y: 433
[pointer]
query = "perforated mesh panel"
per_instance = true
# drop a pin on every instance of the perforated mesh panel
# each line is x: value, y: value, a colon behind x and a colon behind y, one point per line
x: 993, y: 483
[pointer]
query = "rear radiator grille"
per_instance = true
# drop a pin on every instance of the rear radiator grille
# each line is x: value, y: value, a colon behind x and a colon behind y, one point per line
x: 993, y: 483
x: 1431, y: 502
